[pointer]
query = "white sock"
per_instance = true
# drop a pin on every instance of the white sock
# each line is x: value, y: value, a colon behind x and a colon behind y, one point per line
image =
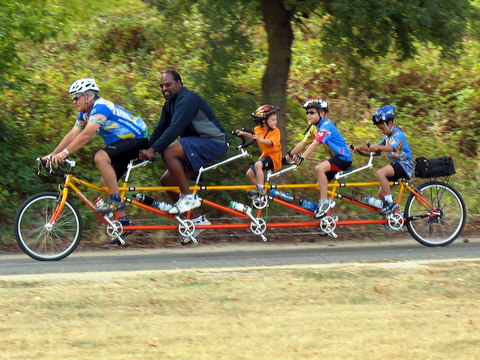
x: 388, y: 198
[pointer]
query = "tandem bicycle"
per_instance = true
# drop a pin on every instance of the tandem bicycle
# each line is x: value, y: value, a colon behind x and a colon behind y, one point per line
x: 49, y: 225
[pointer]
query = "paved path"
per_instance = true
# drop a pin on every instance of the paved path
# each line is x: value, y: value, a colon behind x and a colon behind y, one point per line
x: 235, y: 256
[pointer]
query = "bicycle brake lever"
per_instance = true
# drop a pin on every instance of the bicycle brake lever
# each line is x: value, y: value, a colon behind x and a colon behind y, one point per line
x: 39, y: 165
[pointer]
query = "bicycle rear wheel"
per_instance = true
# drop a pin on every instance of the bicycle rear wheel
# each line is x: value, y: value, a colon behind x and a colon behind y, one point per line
x: 436, y: 230
x: 43, y: 242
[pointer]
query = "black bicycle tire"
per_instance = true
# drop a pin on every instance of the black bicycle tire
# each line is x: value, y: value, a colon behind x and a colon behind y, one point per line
x: 38, y: 242
x: 442, y: 231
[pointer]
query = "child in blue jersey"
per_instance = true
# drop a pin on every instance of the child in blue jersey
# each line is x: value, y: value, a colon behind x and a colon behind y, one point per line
x: 124, y: 134
x: 327, y: 134
x: 396, y: 146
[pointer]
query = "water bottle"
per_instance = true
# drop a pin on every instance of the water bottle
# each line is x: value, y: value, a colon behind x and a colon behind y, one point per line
x: 374, y: 202
x: 306, y: 204
x: 282, y: 195
x: 98, y: 202
x: 145, y: 199
x: 239, y: 206
x: 162, y: 205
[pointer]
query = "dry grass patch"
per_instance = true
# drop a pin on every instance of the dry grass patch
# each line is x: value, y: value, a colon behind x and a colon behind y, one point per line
x: 344, y: 312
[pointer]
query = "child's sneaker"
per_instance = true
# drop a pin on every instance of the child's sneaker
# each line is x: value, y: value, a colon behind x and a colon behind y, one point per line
x: 185, y: 203
x: 256, y: 191
x: 323, y: 207
x: 201, y: 220
x: 388, y: 207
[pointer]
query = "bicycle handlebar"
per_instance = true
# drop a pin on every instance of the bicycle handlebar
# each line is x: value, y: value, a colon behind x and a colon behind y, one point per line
x: 366, y: 154
x: 244, y: 143
x: 60, y: 170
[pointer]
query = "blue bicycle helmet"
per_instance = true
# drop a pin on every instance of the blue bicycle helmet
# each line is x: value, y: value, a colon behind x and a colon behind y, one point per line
x: 384, y: 115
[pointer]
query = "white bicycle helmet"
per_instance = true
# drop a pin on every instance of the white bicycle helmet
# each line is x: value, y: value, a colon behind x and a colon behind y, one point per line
x: 316, y: 103
x: 82, y: 85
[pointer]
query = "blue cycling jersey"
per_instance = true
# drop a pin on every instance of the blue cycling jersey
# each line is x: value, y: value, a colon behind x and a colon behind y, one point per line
x: 402, y: 154
x: 333, y: 140
x: 116, y: 122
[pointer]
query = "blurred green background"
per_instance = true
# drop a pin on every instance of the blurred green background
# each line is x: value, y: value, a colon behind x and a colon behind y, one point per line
x: 222, y: 51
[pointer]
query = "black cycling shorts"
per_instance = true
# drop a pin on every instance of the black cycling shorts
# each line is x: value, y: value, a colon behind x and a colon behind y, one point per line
x: 337, y: 165
x: 122, y: 152
x: 398, y: 172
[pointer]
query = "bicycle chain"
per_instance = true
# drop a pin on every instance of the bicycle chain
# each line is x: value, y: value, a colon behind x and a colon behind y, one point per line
x: 248, y: 234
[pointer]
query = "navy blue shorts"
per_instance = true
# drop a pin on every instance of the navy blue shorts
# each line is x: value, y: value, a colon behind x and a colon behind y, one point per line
x: 201, y: 151
x: 266, y: 162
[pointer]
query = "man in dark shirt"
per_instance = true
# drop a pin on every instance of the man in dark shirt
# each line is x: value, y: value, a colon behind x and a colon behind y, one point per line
x: 202, y: 139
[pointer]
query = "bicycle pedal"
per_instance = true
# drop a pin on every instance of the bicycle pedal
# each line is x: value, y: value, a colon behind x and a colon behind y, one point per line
x: 115, y: 241
x: 188, y: 240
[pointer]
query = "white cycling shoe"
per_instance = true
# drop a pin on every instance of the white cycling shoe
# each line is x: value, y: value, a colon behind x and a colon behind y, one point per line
x: 185, y: 203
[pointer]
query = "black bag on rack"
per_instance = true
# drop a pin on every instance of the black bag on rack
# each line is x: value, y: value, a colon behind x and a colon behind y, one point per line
x: 435, y: 167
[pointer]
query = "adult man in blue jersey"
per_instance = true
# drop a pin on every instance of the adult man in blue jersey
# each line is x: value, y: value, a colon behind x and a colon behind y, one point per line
x: 202, y: 139
x: 124, y: 134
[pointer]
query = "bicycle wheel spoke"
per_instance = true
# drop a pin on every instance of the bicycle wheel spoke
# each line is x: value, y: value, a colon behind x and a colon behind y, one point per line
x: 437, y: 227
x: 44, y: 241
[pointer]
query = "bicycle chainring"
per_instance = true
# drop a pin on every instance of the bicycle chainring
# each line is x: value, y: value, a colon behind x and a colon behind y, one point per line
x: 115, y: 230
x: 258, y: 226
x: 395, y: 221
x: 187, y: 228
x: 259, y: 202
x: 328, y: 224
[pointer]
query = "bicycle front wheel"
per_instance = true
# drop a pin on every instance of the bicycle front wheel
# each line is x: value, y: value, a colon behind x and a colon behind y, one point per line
x: 428, y: 228
x: 40, y: 240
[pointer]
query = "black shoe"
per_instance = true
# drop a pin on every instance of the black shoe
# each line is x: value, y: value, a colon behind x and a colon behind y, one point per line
x: 115, y: 242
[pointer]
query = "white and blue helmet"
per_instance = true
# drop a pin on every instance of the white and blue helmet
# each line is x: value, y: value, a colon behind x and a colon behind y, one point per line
x: 316, y: 103
x: 384, y: 115
x: 83, y: 85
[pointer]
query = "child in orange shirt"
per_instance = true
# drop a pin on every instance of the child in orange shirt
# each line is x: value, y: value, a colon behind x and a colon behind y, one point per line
x: 267, y: 136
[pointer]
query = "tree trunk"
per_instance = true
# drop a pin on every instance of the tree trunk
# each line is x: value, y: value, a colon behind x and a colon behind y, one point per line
x: 277, y: 20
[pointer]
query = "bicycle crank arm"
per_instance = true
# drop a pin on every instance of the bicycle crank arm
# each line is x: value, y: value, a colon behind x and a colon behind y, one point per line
x: 258, y: 226
x: 114, y: 229
x: 120, y: 240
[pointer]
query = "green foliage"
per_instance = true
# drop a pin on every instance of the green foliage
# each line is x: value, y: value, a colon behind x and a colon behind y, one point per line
x: 127, y: 45
x: 369, y: 28
x: 29, y: 20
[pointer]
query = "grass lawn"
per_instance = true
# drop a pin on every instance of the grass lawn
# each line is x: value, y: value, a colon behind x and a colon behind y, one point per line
x: 423, y: 310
